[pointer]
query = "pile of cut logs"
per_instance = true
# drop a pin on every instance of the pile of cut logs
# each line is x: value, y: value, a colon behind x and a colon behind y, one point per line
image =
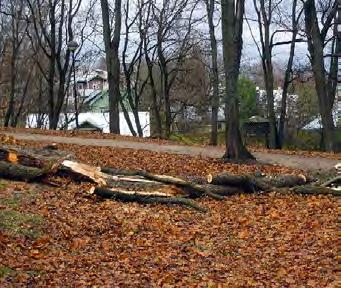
x: 30, y: 164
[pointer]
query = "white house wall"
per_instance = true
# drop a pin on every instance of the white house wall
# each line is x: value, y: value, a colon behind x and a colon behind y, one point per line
x: 100, y: 120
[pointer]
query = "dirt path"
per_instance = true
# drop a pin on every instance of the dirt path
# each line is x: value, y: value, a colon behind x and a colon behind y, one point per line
x: 294, y: 161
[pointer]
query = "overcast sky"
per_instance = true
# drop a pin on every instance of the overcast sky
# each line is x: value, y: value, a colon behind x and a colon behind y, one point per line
x: 250, y: 52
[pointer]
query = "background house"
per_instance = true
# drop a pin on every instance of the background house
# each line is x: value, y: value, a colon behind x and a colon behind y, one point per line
x: 93, y: 107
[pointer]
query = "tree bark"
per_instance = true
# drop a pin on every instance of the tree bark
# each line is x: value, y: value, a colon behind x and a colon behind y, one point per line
x: 232, y: 27
x: 127, y: 118
x: 195, y: 190
x: 264, y: 18
x: 288, y: 76
x: 129, y: 196
x: 113, y: 63
x: 15, y: 119
x: 315, y: 46
x: 251, y: 183
x: 155, y: 107
x: 214, y: 73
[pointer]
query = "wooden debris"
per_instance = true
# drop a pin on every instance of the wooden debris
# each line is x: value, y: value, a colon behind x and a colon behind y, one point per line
x: 145, y: 197
x: 140, y: 186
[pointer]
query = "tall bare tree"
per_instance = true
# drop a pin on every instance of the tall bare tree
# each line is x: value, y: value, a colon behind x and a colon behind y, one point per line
x: 325, y: 82
x: 111, y: 39
x: 232, y: 29
x: 264, y: 10
x: 52, y: 27
x: 16, y: 39
x: 269, y: 29
x: 148, y: 49
x: 134, y: 85
x: 173, y: 32
x: 288, y: 77
x: 210, y: 8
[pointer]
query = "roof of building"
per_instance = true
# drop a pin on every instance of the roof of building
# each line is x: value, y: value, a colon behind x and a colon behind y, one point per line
x: 317, y: 123
x: 84, y: 77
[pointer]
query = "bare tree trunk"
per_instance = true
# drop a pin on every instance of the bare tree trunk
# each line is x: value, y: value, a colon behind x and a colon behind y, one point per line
x: 10, y: 109
x: 14, y: 120
x: 214, y: 73
x: 155, y: 106
x: 129, y: 67
x: 288, y: 75
x: 113, y: 63
x: 232, y: 27
x: 316, y: 39
x: 15, y: 43
x: 264, y: 17
x: 127, y: 118
x: 164, y: 85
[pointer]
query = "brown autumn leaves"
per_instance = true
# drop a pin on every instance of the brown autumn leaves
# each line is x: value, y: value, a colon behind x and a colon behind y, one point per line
x: 268, y: 240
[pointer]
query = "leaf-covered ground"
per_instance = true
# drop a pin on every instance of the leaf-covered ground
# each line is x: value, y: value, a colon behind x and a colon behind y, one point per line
x: 244, y: 241
x: 62, y: 237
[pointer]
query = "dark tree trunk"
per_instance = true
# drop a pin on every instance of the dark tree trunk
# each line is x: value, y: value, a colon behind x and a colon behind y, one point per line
x: 15, y: 119
x: 113, y: 63
x: 213, y: 74
x: 288, y: 75
x: 287, y: 80
x: 264, y: 18
x: 164, y: 85
x: 10, y: 109
x: 316, y: 39
x: 155, y: 107
x: 129, y: 67
x: 126, y: 116
x: 232, y: 28
x: 53, y: 121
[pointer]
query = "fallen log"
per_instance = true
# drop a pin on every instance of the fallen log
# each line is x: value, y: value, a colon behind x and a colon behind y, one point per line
x: 19, y: 172
x: 243, y: 182
x: 288, y: 180
x: 96, y: 175
x: 27, y: 164
x: 223, y: 190
x: 145, y: 198
x: 332, y: 182
x: 315, y: 190
x: 251, y: 184
x: 140, y: 186
x: 195, y: 190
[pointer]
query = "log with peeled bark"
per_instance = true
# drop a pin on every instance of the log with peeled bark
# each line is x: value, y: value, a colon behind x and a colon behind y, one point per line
x: 31, y: 164
x: 195, y: 190
x: 96, y: 175
x: 144, y: 197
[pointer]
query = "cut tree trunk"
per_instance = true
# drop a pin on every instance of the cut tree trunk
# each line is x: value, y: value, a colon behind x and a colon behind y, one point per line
x: 145, y: 198
x: 250, y: 183
x: 315, y: 190
x: 27, y: 164
x: 195, y: 190
x: 19, y: 172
